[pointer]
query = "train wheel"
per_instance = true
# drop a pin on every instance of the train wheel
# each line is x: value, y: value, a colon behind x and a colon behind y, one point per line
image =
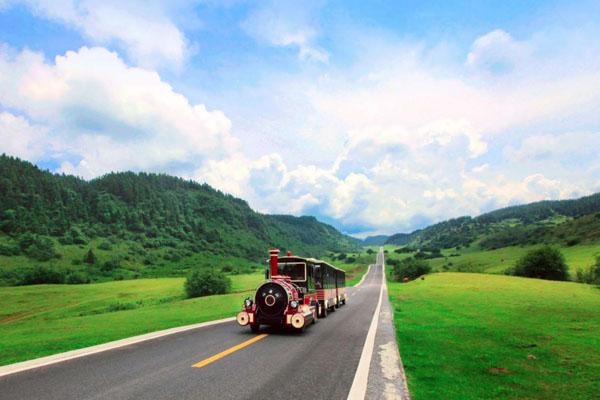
x: 254, y: 327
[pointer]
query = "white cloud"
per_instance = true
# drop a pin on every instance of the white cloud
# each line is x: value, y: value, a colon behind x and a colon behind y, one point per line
x: 563, y: 147
x: 111, y: 116
x: 497, y: 52
x: 19, y: 138
x: 397, y: 142
x: 285, y: 24
x: 143, y: 29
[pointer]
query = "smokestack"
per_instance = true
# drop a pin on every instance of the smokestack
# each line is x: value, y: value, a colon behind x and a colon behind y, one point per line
x: 273, y: 258
x: 289, y: 253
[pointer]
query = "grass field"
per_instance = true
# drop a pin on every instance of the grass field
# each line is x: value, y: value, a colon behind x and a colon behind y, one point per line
x: 45, y: 319
x: 481, y: 336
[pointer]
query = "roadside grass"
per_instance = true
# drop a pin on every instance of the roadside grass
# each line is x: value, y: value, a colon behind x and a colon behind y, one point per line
x: 41, y: 320
x: 482, y: 336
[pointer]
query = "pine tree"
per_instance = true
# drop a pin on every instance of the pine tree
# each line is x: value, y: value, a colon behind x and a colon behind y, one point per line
x: 90, y: 258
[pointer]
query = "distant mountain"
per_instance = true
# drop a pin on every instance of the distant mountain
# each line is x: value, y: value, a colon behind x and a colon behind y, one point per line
x: 400, y: 239
x: 562, y: 221
x: 153, y: 210
x: 378, y: 240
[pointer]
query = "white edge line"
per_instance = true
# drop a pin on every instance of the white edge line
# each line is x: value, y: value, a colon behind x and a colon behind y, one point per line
x: 359, y: 384
x: 86, y: 351
x: 363, y: 277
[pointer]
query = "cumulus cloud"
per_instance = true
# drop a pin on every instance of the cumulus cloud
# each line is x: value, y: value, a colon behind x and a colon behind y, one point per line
x: 409, y: 143
x: 109, y: 116
x: 143, y: 29
x: 19, y: 138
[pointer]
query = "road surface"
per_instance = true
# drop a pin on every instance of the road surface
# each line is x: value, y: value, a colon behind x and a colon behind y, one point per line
x: 318, y: 364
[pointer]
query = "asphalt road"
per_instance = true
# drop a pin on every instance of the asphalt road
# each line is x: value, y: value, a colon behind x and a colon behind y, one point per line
x: 317, y: 364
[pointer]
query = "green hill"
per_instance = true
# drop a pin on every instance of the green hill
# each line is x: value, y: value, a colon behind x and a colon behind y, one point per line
x: 137, y: 224
x: 563, y: 222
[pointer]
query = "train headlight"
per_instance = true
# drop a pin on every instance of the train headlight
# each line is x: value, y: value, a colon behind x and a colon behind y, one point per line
x: 294, y: 304
x: 298, y: 321
x: 243, y: 318
x: 248, y: 303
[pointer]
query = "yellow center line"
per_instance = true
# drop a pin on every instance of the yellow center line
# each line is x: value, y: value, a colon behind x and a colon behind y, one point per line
x: 230, y: 350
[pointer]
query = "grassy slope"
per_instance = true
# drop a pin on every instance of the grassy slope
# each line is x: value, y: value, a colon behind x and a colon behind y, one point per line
x: 131, y: 264
x: 45, y: 319
x: 497, y: 261
x: 458, y: 332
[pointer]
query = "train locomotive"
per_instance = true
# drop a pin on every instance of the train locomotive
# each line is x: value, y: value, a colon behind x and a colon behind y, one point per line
x: 296, y: 293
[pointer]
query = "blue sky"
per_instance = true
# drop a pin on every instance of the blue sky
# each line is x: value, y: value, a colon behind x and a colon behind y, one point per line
x: 375, y: 116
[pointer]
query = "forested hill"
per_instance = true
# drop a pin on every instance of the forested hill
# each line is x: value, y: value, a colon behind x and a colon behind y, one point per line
x: 153, y: 211
x: 566, y: 222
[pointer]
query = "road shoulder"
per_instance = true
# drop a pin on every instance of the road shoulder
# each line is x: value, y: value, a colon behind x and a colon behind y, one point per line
x: 387, y: 379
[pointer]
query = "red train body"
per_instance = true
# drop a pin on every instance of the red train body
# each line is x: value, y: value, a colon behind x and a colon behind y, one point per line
x: 296, y: 293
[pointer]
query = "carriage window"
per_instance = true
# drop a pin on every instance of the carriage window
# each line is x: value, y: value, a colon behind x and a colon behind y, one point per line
x: 296, y: 271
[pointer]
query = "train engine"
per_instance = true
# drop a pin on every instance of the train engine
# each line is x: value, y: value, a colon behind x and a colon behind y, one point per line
x: 285, y: 299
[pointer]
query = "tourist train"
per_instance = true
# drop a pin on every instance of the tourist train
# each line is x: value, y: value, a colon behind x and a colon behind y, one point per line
x: 298, y: 291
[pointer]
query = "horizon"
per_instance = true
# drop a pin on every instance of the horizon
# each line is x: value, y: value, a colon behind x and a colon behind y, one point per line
x: 375, y: 118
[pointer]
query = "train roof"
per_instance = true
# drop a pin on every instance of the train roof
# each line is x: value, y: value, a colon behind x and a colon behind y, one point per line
x: 311, y: 260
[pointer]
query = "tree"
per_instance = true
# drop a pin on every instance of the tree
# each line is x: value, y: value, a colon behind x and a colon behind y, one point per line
x: 595, y: 272
x: 38, y: 247
x: 543, y: 263
x: 410, y: 268
x: 591, y: 275
x: 41, y: 274
x: 90, y: 258
x: 206, y: 283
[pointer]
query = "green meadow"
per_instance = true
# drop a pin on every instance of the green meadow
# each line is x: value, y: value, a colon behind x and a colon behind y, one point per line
x: 484, y: 336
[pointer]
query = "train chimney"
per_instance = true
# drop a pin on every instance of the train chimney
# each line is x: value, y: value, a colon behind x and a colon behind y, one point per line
x: 273, y: 259
x: 289, y: 253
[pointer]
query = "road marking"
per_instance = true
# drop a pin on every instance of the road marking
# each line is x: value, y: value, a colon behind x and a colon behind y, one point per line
x: 230, y: 350
x: 86, y: 351
x: 363, y: 277
x: 359, y: 384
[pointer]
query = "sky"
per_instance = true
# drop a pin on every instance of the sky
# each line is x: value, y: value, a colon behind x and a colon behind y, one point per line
x: 377, y: 117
